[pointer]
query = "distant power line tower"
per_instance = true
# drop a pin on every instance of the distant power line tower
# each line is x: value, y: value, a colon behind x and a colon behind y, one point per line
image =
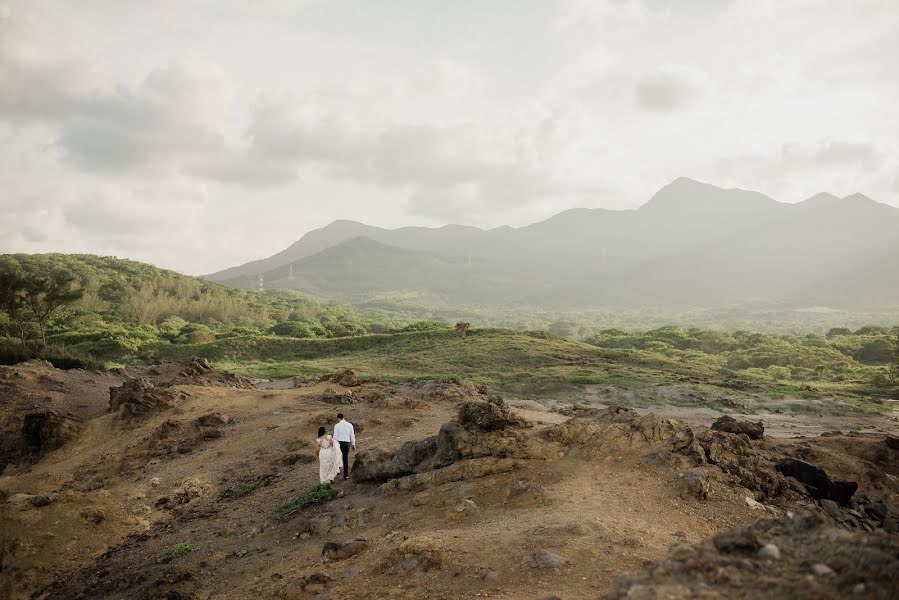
x: 261, y: 285
x: 290, y: 272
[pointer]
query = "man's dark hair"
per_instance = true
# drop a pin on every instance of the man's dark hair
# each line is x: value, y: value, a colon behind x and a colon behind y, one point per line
x: 321, y: 431
x: 339, y: 415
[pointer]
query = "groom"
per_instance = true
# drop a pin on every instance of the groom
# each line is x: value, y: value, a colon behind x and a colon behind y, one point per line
x: 346, y: 437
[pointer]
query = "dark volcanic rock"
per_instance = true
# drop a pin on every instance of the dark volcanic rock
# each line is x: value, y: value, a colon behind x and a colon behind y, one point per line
x: 493, y: 415
x: 47, y: 430
x: 332, y: 397
x: 341, y: 550
x: 755, y: 431
x: 40, y: 501
x: 819, y: 485
x: 481, y: 429
x: 736, y: 541
x: 138, y: 397
x: 860, y: 565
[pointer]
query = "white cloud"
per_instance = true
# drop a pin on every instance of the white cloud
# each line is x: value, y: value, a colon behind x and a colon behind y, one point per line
x: 201, y: 133
x: 670, y: 88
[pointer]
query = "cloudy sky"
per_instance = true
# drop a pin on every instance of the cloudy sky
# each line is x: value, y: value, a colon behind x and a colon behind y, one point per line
x: 198, y: 134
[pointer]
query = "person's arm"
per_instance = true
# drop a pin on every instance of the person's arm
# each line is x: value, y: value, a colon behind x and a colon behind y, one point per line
x: 318, y: 448
x: 352, y: 436
x: 330, y: 441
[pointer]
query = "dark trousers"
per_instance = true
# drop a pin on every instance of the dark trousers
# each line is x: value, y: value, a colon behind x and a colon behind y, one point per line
x: 345, y: 450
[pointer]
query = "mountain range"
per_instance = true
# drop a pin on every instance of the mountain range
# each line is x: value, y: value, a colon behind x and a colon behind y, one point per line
x: 692, y: 245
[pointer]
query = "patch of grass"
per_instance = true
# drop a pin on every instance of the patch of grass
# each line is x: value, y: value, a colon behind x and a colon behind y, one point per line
x: 317, y: 494
x: 245, y: 489
x: 588, y: 379
x: 179, y: 549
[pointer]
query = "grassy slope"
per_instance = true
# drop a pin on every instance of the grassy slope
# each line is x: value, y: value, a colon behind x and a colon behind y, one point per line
x: 514, y: 363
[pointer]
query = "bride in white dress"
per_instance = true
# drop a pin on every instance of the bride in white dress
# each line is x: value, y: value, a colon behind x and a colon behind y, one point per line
x: 328, y: 456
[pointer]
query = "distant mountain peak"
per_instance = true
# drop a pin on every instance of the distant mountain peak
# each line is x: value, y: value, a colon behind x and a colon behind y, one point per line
x: 689, y: 194
x: 858, y: 197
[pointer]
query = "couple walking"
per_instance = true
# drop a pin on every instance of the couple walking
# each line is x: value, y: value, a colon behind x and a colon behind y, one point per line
x: 326, y: 450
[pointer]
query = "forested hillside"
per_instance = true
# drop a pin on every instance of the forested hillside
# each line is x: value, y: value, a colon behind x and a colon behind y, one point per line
x: 125, y: 306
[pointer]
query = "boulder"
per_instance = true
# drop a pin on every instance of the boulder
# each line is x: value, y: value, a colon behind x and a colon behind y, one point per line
x: 547, y: 559
x: 138, y: 397
x: 728, y: 424
x: 734, y: 541
x: 40, y: 501
x: 330, y: 396
x: 346, y: 378
x: 696, y: 483
x: 213, y: 419
x: 493, y: 415
x: 342, y: 550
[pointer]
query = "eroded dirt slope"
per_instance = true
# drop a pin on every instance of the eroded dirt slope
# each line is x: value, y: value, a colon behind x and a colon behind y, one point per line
x: 455, y: 494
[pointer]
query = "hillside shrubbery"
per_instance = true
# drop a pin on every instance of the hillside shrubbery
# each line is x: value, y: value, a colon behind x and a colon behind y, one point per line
x: 129, y: 308
x: 840, y: 355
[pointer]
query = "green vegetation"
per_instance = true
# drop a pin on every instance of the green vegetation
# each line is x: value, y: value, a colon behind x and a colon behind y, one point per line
x: 84, y: 310
x: 245, y: 489
x: 178, y: 550
x: 539, y: 364
x: 317, y: 494
x: 110, y: 311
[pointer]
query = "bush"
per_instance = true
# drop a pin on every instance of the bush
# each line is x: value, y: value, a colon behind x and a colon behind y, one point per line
x: 317, y: 494
x: 196, y: 333
x: 179, y: 549
x: 293, y: 329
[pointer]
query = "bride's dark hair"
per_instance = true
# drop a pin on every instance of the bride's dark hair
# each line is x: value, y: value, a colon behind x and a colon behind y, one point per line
x: 321, y: 431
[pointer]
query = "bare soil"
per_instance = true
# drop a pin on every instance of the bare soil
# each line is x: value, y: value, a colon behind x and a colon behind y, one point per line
x: 124, y: 490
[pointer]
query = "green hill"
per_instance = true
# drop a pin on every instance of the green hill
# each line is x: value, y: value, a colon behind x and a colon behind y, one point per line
x: 128, y: 306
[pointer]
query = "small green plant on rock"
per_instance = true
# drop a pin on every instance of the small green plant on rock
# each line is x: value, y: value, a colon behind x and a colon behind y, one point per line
x: 317, y: 494
x: 179, y: 549
x: 245, y: 489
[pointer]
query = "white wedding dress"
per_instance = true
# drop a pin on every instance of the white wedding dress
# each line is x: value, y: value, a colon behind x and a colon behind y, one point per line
x: 329, y: 459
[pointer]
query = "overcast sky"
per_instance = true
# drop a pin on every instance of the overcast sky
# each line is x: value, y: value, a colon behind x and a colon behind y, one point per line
x: 198, y: 134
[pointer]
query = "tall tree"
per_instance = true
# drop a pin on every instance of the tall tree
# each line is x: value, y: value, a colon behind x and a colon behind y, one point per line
x: 47, y: 293
x: 13, y: 297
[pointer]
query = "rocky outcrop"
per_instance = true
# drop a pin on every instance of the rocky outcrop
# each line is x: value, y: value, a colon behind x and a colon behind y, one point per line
x: 48, y: 430
x: 799, y: 557
x: 493, y: 415
x: 481, y: 429
x: 617, y: 428
x: 816, y: 481
x: 138, y: 397
x: 330, y: 396
x: 196, y: 371
x: 755, y: 431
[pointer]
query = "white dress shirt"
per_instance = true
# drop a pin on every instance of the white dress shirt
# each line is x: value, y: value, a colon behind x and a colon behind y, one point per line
x: 344, y: 432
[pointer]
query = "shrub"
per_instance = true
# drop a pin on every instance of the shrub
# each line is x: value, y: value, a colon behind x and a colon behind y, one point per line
x: 245, y: 489
x: 179, y: 549
x: 317, y: 494
x: 293, y: 329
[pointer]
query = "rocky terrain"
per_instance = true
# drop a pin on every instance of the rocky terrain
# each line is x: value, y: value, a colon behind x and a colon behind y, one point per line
x: 179, y: 481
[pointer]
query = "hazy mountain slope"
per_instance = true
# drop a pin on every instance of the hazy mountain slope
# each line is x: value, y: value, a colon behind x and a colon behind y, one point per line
x: 692, y: 244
